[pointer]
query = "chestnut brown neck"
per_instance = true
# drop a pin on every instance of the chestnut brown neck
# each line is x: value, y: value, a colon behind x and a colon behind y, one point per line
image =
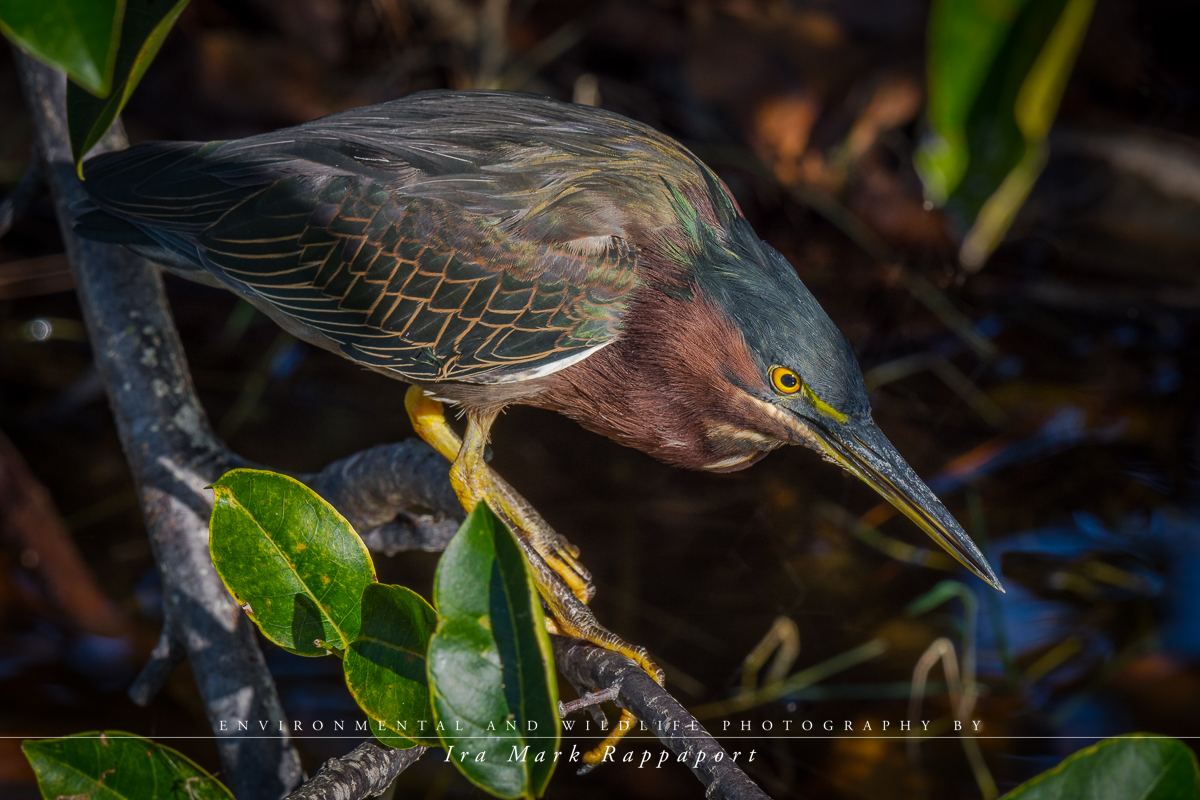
x: 669, y: 385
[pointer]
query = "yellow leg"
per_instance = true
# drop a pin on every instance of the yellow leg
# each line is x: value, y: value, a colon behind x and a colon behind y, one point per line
x: 563, y: 583
x: 473, y: 480
x: 624, y: 725
x: 429, y: 421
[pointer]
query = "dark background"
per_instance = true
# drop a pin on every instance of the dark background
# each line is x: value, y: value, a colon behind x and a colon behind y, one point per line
x: 1053, y: 394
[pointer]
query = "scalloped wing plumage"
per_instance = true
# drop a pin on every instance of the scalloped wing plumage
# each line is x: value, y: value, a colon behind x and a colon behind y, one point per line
x: 447, y: 236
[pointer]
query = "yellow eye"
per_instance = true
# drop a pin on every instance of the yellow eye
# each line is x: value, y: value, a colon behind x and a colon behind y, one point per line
x: 785, y: 381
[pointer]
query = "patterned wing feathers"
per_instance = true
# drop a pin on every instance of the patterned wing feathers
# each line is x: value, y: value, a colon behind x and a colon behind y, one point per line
x: 468, y: 236
x: 415, y: 285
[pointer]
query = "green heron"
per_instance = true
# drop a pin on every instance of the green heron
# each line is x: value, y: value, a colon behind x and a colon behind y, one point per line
x: 492, y: 248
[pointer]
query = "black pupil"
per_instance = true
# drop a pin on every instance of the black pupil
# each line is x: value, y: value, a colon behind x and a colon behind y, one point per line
x: 788, y: 381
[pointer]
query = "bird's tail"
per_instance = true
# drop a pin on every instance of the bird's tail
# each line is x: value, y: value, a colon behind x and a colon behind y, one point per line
x: 114, y: 182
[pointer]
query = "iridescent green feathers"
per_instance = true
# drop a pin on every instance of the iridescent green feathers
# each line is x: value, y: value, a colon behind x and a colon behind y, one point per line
x: 445, y: 236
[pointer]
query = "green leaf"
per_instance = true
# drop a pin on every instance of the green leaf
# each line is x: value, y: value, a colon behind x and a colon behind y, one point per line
x: 385, y: 665
x: 996, y: 74
x: 146, y: 25
x: 491, y: 669
x: 964, y: 41
x: 1140, y: 766
x: 290, y: 559
x: 110, y: 765
x: 78, y: 37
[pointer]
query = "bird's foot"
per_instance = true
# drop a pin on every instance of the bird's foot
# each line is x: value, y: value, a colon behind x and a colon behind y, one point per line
x: 559, y: 554
x: 568, y: 616
x: 563, y: 582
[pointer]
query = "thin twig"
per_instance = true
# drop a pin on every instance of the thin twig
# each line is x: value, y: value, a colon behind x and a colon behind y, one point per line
x: 167, y: 654
x: 584, y: 664
x: 587, y: 700
x: 365, y: 772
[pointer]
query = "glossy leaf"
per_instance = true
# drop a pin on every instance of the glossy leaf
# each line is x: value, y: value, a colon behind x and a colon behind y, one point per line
x: 385, y: 665
x: 79, y: 37
x: 145, y: 26
x: 491, y: 669
x: 1140, y: 766
x: 996, y: 73
x: 965, y: 38
x: 112, y: 765
x: 290, y: 559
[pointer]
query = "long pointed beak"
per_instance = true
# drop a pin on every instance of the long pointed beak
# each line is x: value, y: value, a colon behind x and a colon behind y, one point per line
x: 864, y: 451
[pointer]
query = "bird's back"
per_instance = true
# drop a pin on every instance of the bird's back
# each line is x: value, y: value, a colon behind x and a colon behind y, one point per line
x: 474, y: 236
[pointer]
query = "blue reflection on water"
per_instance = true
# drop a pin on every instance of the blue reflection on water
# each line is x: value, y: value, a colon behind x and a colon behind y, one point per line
x: 1159, y: 557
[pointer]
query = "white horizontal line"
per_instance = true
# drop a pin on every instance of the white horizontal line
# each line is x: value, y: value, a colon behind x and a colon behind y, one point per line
x: 629, y: 737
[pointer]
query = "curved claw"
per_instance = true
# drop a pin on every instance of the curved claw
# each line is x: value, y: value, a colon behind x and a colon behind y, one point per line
x: 574, y: 574
x: 553, y: 547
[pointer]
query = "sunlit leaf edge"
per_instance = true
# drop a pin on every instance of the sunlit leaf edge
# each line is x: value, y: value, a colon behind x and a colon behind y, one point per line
x: 104, y: 110
x: 217, y: 485
x: 483, y: 519
x: 391, y: 736
x: 510, y: 551
x: 1090, y: 752
x: 124, y: 735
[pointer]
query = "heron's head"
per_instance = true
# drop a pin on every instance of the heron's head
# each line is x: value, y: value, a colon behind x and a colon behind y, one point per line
x: 797, y: 381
